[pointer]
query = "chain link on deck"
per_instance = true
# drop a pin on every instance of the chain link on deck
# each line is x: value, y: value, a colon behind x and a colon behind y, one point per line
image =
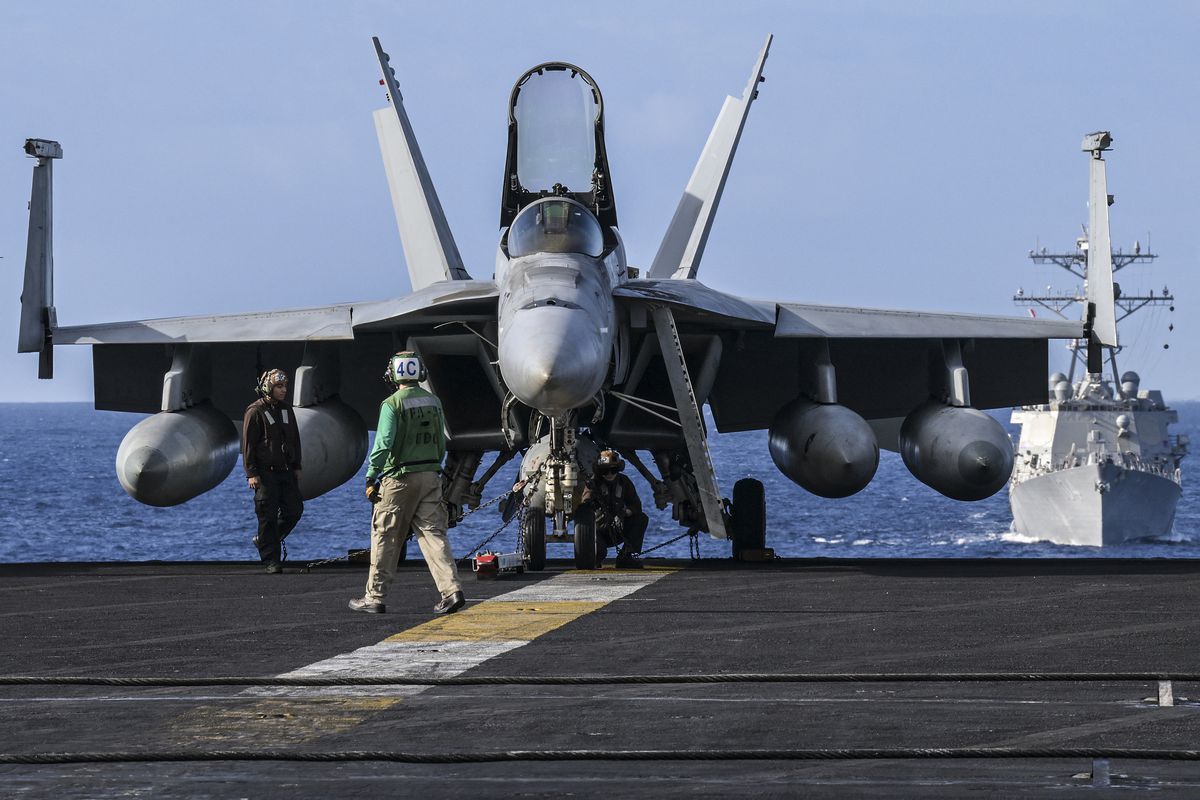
x: 354, y: 553
x: 693, y: 545
x: 525, y: 488
x: 310, y: 566
x: 494, y: 533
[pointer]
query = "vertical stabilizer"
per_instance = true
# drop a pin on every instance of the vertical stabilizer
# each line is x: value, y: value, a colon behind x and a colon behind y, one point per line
x: 683, y: 245
x: 429, y: 246
x: 1101, y: 300
x: 37, y: 296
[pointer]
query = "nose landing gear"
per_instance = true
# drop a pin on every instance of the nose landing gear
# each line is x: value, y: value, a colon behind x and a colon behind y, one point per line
x: 533, y: 538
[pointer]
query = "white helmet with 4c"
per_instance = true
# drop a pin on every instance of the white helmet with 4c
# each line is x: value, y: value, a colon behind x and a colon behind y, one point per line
x: 404, y: 367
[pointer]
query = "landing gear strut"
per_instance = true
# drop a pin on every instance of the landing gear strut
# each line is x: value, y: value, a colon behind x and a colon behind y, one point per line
x: 562, y: 477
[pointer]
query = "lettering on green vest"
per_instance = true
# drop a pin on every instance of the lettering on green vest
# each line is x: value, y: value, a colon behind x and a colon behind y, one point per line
x: 420, y: 438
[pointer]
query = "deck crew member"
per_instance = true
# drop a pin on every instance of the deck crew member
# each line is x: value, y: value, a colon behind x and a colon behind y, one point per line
x: 620, y: 520
x: 271, y: 457
x: 405, y: 488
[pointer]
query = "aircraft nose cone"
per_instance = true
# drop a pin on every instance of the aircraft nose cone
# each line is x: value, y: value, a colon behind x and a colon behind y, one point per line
x: 551, y: 358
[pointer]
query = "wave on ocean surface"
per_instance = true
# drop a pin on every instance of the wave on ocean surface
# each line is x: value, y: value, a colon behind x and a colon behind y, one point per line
x: 60, y: 501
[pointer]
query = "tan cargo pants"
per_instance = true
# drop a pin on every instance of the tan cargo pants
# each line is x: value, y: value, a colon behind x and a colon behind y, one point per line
x: 405, y: 501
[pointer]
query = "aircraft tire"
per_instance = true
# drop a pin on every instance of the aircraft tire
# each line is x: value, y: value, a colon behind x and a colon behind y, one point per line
x: 533, y: 534
x: 748, y: 523
x: 587, y: 552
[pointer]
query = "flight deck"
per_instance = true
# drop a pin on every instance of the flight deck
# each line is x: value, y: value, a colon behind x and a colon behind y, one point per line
x: 673, y: 618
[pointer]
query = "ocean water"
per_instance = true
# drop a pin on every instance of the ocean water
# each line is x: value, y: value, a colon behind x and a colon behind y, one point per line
x: 60, y: 501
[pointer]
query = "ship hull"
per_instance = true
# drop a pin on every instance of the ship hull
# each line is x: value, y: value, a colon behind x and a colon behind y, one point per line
x: 1094, y: 505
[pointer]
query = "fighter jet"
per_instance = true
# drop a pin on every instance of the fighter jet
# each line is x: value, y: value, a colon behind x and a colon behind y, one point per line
x: 566, y: 349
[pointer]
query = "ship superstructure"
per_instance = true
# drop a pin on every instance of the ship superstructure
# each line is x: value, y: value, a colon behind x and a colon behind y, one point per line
x: 1096, y: 464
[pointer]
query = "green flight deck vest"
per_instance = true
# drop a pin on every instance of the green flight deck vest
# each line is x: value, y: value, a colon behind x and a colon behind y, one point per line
x: 411, y: 435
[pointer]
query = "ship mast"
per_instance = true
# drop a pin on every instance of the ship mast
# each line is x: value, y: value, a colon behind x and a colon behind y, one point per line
x: 1090, y: 351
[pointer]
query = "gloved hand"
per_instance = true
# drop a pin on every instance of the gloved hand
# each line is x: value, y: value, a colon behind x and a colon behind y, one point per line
x: 373, y: 490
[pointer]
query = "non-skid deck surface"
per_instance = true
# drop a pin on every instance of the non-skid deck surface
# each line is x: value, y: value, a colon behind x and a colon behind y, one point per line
x: 672, y: 618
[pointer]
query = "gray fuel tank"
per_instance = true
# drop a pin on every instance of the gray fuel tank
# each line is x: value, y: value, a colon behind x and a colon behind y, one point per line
x: 825, y: 448
x: 171, y: 457
x: 961, y: 452
x: 333, y: 441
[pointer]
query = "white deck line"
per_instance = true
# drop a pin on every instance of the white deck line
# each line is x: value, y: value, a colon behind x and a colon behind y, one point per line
x: 441, y: 659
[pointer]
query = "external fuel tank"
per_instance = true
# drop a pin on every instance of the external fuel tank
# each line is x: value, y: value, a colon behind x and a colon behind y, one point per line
x: 824, y: 447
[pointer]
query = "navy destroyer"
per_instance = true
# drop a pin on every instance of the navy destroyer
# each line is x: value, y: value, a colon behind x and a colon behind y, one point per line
x: 1096, y: 465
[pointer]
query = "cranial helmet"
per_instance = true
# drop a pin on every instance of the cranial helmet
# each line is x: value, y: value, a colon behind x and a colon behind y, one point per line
x: 404, y: 367
x: 609, y: 460
x: 270, y: 379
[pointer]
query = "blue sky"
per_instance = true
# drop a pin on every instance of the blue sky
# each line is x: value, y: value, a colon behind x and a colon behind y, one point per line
x: 221, y: 156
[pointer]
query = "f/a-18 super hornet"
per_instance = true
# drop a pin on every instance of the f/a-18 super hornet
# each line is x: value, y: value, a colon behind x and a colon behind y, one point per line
x: 566, y: 349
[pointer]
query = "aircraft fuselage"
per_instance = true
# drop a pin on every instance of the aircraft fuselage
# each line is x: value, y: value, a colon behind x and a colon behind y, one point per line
x: 557, y: 323
x: 557, y: 266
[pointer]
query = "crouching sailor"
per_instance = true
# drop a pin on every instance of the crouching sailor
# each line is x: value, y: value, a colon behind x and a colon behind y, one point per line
x: 404, y: 486
x: 620, y: 520
x: 271, y: 456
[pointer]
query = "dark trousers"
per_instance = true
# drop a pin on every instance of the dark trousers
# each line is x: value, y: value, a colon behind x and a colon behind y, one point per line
x: 629, y: 537
x: 635, y: 532
x: 278, y: 506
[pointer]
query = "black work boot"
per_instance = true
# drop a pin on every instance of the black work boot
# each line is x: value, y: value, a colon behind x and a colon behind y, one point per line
x: 627, y: 560
x: 367, y: 606
x: 450, y: 603
x: 274, y: 568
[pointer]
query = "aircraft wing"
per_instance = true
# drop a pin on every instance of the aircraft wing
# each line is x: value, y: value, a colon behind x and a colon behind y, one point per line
x: 692, y: 300
x: 325, y: 323
x: 440, y: 302
x: 803, y: 320
x: 748, y: 358
x: 347, y: 344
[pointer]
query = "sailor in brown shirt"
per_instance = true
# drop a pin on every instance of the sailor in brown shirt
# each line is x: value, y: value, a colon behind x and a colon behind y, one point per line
x: 271, y: 456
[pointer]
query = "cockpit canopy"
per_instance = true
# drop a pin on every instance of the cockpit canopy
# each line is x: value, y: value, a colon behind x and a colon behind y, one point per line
x: 555, y: 225
x: 555, y: 113
x: 556, y: 143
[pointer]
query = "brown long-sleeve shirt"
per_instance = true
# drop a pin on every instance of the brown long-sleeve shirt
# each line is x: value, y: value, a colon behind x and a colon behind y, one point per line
x: 270, y: 438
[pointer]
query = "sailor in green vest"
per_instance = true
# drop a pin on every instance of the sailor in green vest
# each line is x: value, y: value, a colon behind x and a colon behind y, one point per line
x: 405, y: 488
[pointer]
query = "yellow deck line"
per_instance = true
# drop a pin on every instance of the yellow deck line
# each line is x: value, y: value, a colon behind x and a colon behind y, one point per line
x: 500, y: 620
x: 492, y: 627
